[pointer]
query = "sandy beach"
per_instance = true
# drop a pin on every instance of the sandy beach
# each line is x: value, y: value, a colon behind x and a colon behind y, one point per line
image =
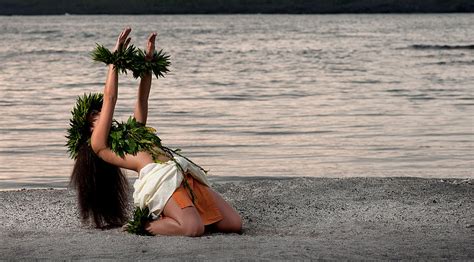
x: 284, y: 218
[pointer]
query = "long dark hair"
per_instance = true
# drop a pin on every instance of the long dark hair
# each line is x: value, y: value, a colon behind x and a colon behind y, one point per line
x: 102, y: 189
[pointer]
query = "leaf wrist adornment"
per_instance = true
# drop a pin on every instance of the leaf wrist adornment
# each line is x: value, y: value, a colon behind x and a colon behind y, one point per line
x: 133, y: 59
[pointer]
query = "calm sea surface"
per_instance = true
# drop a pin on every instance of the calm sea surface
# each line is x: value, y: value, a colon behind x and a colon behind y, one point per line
x: 254, y: 95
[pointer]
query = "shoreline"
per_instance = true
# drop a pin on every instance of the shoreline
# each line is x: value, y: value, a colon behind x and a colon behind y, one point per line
x: 63, y: 185
x: 285, y: 218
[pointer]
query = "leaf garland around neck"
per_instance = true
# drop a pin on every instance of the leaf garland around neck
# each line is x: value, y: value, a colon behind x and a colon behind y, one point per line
x: 132, y: 137
x: 133, y: 59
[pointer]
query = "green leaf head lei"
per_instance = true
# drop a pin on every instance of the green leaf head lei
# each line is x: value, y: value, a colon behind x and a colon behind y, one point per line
x: 79, y: 127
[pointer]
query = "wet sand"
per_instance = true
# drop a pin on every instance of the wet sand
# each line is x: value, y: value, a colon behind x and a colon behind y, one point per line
x: 287, y: 218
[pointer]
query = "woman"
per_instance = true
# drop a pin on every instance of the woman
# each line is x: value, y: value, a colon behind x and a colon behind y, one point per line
x: 102, y: 189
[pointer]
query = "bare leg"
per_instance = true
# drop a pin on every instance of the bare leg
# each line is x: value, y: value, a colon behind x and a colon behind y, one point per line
x: 231, y: 223
x: 177, y: 221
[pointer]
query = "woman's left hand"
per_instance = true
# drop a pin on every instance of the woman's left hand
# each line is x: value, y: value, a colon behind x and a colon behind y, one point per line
x: 150, y: 47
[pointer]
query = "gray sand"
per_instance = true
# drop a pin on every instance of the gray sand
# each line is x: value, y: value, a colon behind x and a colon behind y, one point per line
x: 290, y: 218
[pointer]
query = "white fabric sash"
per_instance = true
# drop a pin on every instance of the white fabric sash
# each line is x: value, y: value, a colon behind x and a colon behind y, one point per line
x: 158, y: 181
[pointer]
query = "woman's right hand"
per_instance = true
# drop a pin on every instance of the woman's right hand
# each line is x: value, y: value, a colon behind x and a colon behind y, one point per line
x: 150, y: 47
x: 123, y: 40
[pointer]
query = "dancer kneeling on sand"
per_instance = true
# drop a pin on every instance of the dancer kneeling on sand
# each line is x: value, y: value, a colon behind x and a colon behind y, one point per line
x: 173, y: 190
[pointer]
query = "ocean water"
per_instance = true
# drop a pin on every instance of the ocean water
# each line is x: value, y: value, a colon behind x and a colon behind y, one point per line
x: 254, y: 95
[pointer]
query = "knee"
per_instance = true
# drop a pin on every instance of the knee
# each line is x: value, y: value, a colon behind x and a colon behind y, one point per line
x: 233, y: 225
x: 237, y: 225
x: 193, y: 229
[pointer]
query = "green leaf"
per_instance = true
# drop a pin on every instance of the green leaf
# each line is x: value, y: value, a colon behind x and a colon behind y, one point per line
x: 137, y: 224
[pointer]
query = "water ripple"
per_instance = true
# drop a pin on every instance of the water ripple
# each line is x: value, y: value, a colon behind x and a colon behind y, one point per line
x: 441, y: 47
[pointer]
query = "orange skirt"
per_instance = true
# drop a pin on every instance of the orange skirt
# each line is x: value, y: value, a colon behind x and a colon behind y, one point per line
x: 204, y: 201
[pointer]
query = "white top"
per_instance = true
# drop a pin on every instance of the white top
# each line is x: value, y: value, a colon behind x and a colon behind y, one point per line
x: 158, y: 181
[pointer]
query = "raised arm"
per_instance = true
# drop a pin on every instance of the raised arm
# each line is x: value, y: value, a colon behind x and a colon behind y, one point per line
x: 141, y: 106
x: 102, y: 126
